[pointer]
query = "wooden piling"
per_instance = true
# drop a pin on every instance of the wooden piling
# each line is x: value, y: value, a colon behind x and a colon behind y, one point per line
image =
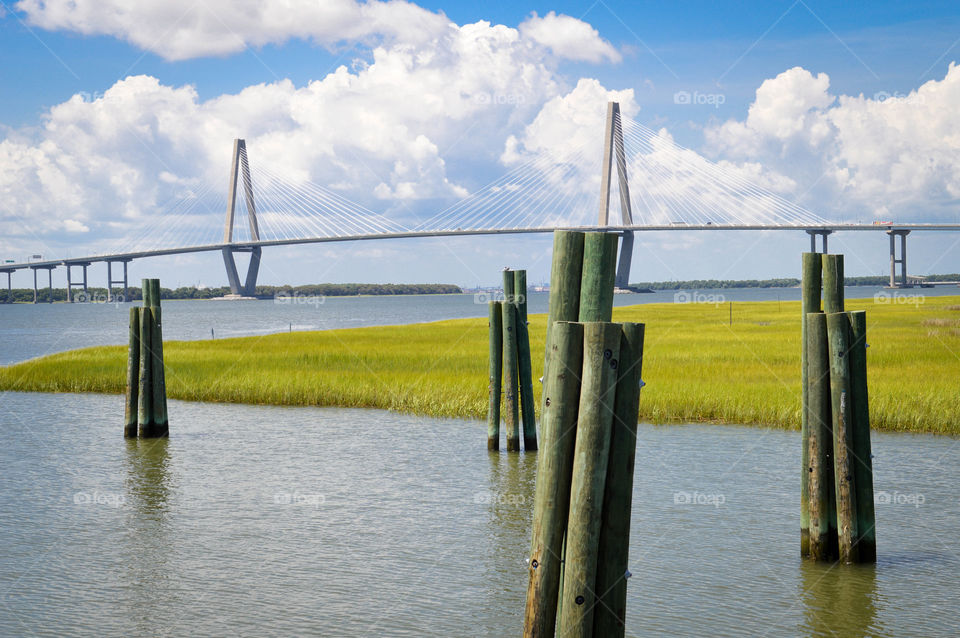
x: 614, y: 544
x: 592, y: 449
x: 838, y: 329
x: 599, y: 275
x: 145, y: 395
x: 496, y: 370
x: 819, y: 470
x: 528, y: 411
x: 565, y: 274
x: 811, y: 274
x: 511, y: 367
x: 561, y: 390
x: 160, y: 426
x: 133, y: 376
x: 832, y: 283
x: 520, y: 289
x: 861, y: 456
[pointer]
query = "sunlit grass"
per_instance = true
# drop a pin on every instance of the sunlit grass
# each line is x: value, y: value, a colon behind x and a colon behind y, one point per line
x: 697, y: 366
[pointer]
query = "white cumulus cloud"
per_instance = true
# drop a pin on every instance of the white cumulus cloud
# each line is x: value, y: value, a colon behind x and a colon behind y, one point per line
x: 386, y: 133
x: 569, y: 38
x: 181, y: 29
x: 888, y: 156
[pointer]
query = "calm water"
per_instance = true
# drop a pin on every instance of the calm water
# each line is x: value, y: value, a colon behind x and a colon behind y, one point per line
x: 261, y: 521
x: 28, y: 331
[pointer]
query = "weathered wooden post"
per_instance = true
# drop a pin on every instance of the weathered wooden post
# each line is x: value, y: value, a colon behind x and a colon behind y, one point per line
x: 811, y: 268
x: 496, y: 370
x: 145, y: 393
x: 861, y: 456
x: 160, y: 425
x: 524, y: 371
x: 832, y: 283
x: 838, y: 329
x: 133, y: 376
x: 145, y: 412
x: 561, y: 391
x: 601, y: 354
x: 511, y: 367
x: 614, y: 544
x: 599, y: 274
x: 819, y: 470
x: 565, y: 274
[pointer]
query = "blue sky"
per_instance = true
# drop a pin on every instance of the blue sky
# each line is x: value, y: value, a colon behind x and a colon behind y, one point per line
x: 805, y: 131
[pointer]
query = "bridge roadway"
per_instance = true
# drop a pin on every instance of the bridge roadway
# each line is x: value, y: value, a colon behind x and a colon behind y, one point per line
x: 241, y: 246
x: 623, y: 272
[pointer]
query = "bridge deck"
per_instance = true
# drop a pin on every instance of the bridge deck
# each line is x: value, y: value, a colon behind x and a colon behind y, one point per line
x: 469, y: 232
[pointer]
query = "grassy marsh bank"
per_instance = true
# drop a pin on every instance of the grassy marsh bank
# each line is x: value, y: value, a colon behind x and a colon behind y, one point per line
x: 697, y: 366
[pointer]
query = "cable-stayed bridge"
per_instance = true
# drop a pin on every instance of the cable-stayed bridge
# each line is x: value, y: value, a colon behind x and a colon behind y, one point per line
x: 645, y: 182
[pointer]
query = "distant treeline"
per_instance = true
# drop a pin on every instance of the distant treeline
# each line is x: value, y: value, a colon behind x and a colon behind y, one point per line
x: 784, y: 282
x: 25, y: 295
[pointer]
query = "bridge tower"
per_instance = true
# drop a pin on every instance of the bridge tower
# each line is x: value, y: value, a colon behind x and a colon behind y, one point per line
x: 240, y: 166
x: 613, y: 147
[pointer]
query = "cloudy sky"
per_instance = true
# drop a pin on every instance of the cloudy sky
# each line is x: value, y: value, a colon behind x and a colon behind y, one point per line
x: 114, y: 114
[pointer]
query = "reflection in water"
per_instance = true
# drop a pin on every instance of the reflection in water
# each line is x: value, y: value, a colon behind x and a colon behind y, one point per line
x: 147, y: 551
x: 148, y: 476
x: 509, y: 505
x: 839, y: 600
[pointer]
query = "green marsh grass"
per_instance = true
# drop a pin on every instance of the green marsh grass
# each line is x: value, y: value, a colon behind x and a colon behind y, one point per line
x: 698, y: 367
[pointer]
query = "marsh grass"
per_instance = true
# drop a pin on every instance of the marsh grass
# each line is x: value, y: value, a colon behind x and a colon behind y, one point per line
x: 697, y: 366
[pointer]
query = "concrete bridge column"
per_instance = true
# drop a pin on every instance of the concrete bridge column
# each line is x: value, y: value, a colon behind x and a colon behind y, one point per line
x: 82, y: 284
x: 813, y: 239
x: 9, y: 298
x: 36, y: 294
x: 111, y: 280
x: 241, y: 166
x: 902, y: 260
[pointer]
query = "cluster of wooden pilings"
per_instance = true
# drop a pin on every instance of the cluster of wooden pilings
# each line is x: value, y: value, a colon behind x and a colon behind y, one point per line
x: 581, y: 527
x: 146, y: 400
x: 510, y: 361
x: 837, y: 513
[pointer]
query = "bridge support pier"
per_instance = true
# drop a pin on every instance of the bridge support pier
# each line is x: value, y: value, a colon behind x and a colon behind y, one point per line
x: 813, y: 239
x: 613, y: 150
x: 240, y: 167
x: 71, y: 285
x: 9, y: 298
x: 111, y: 280
x: 626, y: 256
x: 36, y: 293
x: 249, y: 286
x: 902, y: 260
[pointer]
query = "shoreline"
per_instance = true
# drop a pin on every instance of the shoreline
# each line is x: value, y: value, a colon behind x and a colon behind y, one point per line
x: 699, y: 368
